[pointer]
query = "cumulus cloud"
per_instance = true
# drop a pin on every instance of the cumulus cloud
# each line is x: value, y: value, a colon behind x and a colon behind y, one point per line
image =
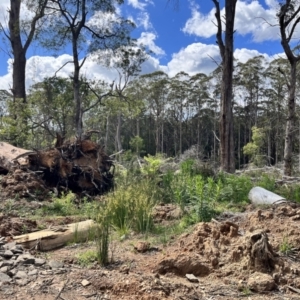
x: 251, y: 18
x: 195, y: 58
x: 243, y: 55
x: 202, y: 58
x: 199, y: 24
x: 147, y: 39
x: 39, y: 67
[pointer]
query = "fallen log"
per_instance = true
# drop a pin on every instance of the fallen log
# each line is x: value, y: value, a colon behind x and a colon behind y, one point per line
x: 56, y: 237
x: 10, y: 157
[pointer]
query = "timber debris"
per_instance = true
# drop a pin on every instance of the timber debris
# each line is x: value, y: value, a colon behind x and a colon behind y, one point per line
x: 78, y: 165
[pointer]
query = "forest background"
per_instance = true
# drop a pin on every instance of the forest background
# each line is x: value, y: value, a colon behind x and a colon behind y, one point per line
x: 141, y: 114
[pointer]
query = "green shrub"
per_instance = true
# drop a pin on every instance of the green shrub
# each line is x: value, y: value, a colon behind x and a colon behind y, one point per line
x: 63, y: 206
x: 102, y: 238
x: 131, y: 206
x: 235, y: 189
x: 267, y: 182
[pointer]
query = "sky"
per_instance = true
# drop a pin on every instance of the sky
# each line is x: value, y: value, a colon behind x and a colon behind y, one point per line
x: 181, y: 38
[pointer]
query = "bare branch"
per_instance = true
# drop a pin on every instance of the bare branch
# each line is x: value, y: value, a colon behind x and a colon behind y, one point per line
x: 284, y: 75
x: 68, y: 62
x: 219, y: 32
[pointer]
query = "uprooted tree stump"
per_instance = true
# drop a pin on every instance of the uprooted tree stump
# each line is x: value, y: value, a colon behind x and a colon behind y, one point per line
x: 78, y: 165
x: 262, y: 258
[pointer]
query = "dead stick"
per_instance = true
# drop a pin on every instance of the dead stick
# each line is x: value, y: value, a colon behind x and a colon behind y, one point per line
x: 215, y: 221
x: 294, y: 289
x: 58, y: 295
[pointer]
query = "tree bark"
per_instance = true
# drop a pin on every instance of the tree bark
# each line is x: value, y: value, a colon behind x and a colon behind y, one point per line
x: 226, y: 115
x: 18, y: 49
x: 118, y: 133
x: 19, y: 64
x: 288, y: 21
x: 290, y: 122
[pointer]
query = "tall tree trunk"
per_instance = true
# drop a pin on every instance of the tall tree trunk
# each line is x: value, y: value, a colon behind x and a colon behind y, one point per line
x: 226, y: 115
x: 18, y: 49
x: 76, y: 91
x: 106, y: 131
x: 19, y: 64
x: 288, y: 21
x: 118, y: 133
x: 288, y: 146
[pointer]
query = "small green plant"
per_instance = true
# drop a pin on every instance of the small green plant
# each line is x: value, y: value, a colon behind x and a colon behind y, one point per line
x: 102, y: 239
x: 63, y: 206
x: 86, y: 258
x: 246, y: 291
x: 285, y: 247
x: 9, y: 205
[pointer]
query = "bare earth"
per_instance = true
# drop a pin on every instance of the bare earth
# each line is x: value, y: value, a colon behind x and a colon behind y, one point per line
x: 217, y: 253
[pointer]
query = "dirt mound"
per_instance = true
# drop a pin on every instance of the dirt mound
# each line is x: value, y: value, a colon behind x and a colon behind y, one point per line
x: 24, y: 184
x: 241, y: 248
x: 11, y: 226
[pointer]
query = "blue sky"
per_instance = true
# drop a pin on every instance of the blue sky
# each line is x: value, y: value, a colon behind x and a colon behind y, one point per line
x: 181, y: 39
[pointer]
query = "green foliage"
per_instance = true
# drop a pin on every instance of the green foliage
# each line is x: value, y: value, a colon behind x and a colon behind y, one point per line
x: 235, y: 189
x: 103, y: 237
x: 291, y: 192
x: 253, y: 149
x: 16, y: 126
x: 285, y: 247
x: 137, y: 144
x: 63, y: 206
x: 153, y: 163
x: 267, y: 182
x: 86, y: 258
x: 131, y: 205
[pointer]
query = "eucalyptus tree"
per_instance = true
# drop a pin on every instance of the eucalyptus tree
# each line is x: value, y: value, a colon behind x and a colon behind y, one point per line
x: 178, y: 102
x: 275, y: 106
x: 155, y: 87
x: 89, y: 25
x: 127, y: 62
x: 226, y: 45
x: 51, y: 109
x: 203, y: 107
x: 20, y: 34
x: 288, y: 18
x: 250, y: 79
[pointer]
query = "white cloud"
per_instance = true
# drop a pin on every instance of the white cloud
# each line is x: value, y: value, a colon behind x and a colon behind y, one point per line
x: 199, y: 24
x: 147, y: 39
x: 251, y: 18
x: 202, y: 58
x: 39, y: 67
x: 139, y: 4
x: 143, y: 20
x: 4, y: 5
x: 195, y: 58
x: 243, y: 55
